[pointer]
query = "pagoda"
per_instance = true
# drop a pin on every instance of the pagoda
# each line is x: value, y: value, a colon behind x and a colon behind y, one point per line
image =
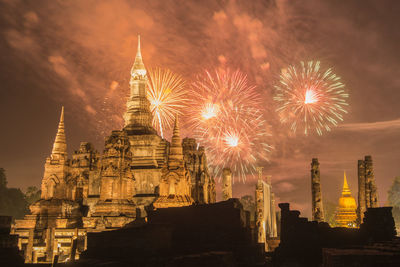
x: 346, y: 211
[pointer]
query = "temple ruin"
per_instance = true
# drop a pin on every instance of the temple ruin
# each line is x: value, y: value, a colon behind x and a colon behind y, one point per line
x: 138, y: 171
x: 367, y: 190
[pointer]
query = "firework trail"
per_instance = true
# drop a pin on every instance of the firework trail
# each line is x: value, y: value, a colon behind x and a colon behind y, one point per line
x: 310, y: 99
x: 167, y: 95
x: 226, y: 119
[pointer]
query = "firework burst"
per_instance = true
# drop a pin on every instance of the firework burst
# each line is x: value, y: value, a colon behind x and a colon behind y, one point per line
x: 226, y: 119
x: 310, y: 99
x: 167, y: 95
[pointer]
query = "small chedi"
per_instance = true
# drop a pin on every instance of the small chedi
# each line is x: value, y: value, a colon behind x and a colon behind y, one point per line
x: 95, y: 192
x: 346, y: 211
x: 175, y: 181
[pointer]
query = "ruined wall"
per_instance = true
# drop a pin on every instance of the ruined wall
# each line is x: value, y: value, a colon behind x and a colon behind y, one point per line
x: 202, y: 185
x: 226, y: 184
x: 367, y: 190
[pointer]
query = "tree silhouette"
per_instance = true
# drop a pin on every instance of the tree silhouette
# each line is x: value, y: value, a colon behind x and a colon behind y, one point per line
x: 12, y: 200
x: 394, y: 200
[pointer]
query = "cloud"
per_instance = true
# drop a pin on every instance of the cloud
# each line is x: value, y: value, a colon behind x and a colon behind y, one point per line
x: 20, y: 41
x: 90, y: 110
x: 83, y: 50
x: 31, y: 19
x: 59, y: 66
x: 252, y: 29
x: 284, y: 187
x: 371, y: 126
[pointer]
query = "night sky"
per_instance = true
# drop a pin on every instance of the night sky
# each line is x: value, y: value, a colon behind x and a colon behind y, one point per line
x: 79, y: 54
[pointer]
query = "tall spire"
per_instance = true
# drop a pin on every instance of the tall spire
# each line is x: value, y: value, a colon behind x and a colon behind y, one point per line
x: 138, y: 53
x: 138, y: 117
x: 60, y: 143
x: 176, y: 154
x: 176, y: 139
x: 138, y: 68
x: 346, y: 190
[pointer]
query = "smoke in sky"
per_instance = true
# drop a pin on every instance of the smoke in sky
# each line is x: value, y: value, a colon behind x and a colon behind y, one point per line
x: 80, y: 54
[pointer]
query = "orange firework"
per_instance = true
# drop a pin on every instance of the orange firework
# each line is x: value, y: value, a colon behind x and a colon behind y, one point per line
x: 225, y: 117
x: 168, y: 97
x: 310, y: 99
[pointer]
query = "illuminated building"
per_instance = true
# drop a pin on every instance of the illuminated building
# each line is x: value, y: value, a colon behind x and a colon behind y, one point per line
x: 346, y: 211
x: 95, y: 192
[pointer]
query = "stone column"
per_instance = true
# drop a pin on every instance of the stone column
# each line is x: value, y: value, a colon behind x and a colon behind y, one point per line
x: 29, y: 248
x: 361, y: 191
x: 34, y: 257
x: 49, y: 244
x: 260, y: 220
x: 371, y: 192
x: 227, y: 184
x: 260, y: 209
x: 273, y: 214
x: 317, y: 206
x: 85, y: 240
x: 74, y: 242
x: 19, y: 243
x: 56, y: 249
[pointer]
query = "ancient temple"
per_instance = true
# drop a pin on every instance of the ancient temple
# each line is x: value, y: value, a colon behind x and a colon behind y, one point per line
x: 316, y: 197
x: 346, y: 211
x: 56, y: 219
x: 202, y: 184
x: 175, y: 180
x: 226, y: 184
x: 367, y: 190
x: 138, y: 170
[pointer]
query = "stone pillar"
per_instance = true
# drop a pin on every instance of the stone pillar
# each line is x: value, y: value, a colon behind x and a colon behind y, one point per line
x: 260, y: 222
x: 74, y: 242
x: 56, y: 249
x: 74, y: 246
x: 34, y: 260
x: 49, y: 244
x: 19, y: 243
x: 29, y: 248
x: 85, y: 240
x: 227, y: 184
x: 371, y: 191
x: 317, y: 206
x: 361, y: 191
x: 273, y: 214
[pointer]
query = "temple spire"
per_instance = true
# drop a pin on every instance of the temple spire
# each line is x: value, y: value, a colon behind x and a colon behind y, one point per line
x: 138, y: 67
x: 176, y: 138
x: 176, y: 153
x: 138, y: 117
x: 138, y: 53
x: 60, y: 143
x: 346, y: 190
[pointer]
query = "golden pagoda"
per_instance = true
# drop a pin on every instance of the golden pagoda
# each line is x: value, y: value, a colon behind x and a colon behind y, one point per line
x: 346, y: 212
